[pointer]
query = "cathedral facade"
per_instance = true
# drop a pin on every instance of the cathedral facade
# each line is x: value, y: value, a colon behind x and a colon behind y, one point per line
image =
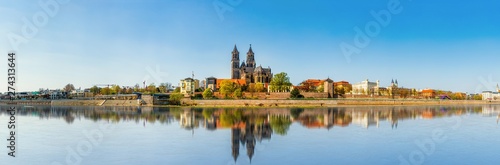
x: 249, y: 71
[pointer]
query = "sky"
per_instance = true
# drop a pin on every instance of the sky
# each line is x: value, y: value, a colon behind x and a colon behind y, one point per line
x: 448, y: 45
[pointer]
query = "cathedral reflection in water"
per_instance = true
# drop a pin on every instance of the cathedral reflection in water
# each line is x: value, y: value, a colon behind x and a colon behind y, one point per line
x: 250, y: 126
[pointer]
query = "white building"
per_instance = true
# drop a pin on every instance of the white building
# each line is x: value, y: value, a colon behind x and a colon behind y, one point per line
x: 489, y: 95
x: 365, y: 87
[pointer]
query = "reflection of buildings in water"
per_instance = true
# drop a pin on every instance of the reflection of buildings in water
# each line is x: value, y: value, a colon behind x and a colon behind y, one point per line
x: 428, y: 114
x: 210, y: 123
x: 235, y: 142
x: 365, y: 119
x: 393, y: 118
x: 188, y: 120
x: 248, y: 134
x: 318, y: 119
x: 490, y: 110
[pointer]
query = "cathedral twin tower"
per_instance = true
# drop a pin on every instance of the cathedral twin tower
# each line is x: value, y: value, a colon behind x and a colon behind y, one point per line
x: 249, y: 70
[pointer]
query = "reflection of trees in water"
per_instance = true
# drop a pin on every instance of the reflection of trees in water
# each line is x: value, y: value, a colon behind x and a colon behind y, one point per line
x: 295, y: 112
x: 279, y: 119
x: 280, y: 124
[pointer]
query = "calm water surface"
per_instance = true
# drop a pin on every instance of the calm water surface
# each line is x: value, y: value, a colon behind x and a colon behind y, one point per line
x: 344, y: 135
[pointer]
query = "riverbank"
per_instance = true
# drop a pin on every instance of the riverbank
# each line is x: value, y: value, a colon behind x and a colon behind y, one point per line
x: 256, y: 103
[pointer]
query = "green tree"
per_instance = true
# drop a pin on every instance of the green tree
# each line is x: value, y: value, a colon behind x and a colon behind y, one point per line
x: 177, y: 90
x: 478, y: 97
x: 115, y: 89
x: 95, y: 90
x: 207, y: 94
x: 320, y: 89
x: 259, y: 87
x: 238, y: 93
x: 280, y: 82
x: 151, y: 88
x: 295, y: 93
x: 175, y: 98
x: 227, y: 87
x: 163, y: 88
x: 105, y: 91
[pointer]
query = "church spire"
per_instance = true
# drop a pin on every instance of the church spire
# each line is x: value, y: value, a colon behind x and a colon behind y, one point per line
x: 250, y: 58
x: 250, y: 50
x: 235, y: 53
x: 235, y: 63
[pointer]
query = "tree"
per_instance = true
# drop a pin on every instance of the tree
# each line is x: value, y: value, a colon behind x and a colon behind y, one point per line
x: 340, y: 90
x: 177, y: 90
x: 115, y: 89
x: 164, y: 87
x: 259, y: 87
x: 295, y: 93
x: 151, y: 88
x: 95, y: 90
x: 280, y: 82
x: 238, y: 93
x: 321, y: 88
x: 105, y: 91
x: 478, y: 97
x: 176, y: 98
x: 69, y: 88
x: 403, y: 93
x: 227, y: 87
x: 306, y: 86
x: 137, y: 88
x: 129, y: 91
x: 207, y: 94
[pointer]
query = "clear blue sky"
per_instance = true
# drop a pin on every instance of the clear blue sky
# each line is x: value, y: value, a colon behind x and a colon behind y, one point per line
x: 450, y: 45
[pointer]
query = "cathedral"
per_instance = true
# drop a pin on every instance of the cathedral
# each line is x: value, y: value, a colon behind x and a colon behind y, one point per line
x: 249, y: 71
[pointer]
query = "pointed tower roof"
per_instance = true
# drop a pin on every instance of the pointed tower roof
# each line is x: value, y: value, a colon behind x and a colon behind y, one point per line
x: 235, y: 49
x: 392, y: 81
x: 250, y: 50
x: 396, y: 81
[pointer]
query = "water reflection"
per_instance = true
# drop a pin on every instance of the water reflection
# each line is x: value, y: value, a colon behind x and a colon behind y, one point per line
x: 249, y: 126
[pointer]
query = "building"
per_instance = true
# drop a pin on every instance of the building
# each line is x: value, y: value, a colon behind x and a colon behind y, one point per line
x: 489, y: 95
x: 365, y: 87
x: 249, y: 71
x: 189, y: 85
x: 211, y: 83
